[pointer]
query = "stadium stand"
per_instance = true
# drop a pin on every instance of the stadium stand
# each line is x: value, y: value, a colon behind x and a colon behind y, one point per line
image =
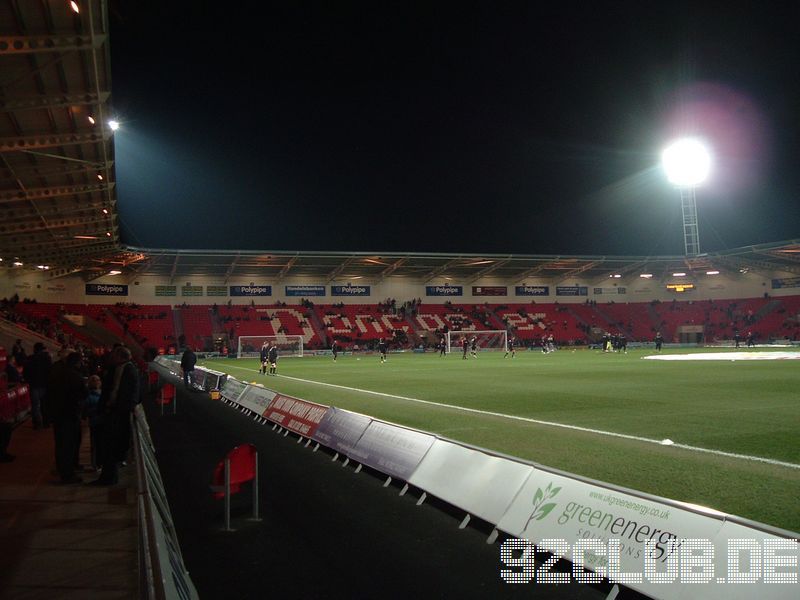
x: 353, y: 323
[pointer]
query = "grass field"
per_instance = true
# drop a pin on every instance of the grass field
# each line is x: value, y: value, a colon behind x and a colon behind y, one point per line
x: 747, y: 408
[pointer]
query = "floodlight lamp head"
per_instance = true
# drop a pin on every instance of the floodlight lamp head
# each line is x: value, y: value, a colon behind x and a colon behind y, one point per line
x: 687, y: 162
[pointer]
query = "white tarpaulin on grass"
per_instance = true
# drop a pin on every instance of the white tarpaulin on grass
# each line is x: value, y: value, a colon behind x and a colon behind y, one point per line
x: 726, y: 356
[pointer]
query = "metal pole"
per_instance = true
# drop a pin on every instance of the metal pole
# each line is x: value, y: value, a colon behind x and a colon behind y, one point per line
x: 691, y: 235
x: 227, y: 494
x: 255, y: 491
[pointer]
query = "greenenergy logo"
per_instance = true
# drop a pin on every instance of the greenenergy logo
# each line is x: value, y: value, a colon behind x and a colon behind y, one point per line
x: 541, y: 506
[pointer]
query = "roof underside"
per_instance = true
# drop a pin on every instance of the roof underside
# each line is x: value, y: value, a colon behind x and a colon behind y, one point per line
x: 57, y: 202
x: 58, y: 199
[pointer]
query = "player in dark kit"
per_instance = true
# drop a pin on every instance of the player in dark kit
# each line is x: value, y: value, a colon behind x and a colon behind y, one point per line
x: 273, y: 359
x: 442, y: 346
x: 510, y: 348
x: 473, y: 347
x: 464, y: 346
x: 382, y: 350
x: 335, y: 350
x: 659, y: 340
x: 264, y: 356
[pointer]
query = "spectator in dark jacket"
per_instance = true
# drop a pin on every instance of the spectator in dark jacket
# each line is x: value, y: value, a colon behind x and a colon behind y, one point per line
x: 37, y: 372
x: 188, y: 361
x: 119, y: 397
x: 66, y: 391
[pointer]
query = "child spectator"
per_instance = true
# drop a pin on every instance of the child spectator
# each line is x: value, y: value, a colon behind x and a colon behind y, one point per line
x: 95, y: 417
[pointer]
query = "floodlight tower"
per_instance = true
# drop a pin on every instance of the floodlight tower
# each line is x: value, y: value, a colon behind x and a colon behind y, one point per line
x: 687, y: 163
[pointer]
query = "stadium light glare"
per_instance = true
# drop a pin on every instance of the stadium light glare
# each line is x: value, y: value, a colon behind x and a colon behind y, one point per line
x: 75, y: 8
x: 686, y: 162
x: 91, y: 119
x: 114, y: 125
x: 114, y: 272
x: 712, y: 272
x: 646, y: 275
x: 679, y: 274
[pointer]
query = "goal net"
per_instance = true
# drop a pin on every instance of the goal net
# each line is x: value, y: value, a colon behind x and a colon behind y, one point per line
x: 288, y: 345
x: 484, y: 340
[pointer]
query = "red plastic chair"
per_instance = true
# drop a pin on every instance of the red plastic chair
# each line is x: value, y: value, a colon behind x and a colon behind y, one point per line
x: 243, y: 469
x: 167, y: 396
x: 167, y: 393
x: 241, y: 465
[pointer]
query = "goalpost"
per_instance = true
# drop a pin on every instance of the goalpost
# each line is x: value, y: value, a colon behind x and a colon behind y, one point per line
x: 288, y: 345
x: 496, y: 340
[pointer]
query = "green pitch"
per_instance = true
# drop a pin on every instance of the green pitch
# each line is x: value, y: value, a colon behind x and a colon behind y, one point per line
x: 748, y: 408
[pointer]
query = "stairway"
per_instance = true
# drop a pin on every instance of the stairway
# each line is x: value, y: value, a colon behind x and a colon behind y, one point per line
x: 611, y: 323
x: 767, y: 309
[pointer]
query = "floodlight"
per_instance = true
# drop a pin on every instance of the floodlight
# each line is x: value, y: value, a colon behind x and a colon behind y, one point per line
x: 686, y: 162
x: 114, y: 125
x: 712, y: 272
x: 679, y: 274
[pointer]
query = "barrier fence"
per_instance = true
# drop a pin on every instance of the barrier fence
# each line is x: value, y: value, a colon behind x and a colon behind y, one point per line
x: 162, y: 573
x: 551, y: 509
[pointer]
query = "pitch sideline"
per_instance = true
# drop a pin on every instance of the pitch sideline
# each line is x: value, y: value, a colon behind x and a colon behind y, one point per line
x: 625, y: 436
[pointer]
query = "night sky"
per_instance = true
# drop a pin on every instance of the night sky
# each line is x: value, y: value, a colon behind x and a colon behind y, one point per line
x: 490, y: 127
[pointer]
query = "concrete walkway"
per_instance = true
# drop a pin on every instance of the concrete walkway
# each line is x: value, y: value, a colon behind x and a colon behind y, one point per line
x: 66, y: 542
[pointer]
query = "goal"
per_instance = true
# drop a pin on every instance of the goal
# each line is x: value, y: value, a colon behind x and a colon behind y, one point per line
x: 486, y: 340
x: 288, y: 345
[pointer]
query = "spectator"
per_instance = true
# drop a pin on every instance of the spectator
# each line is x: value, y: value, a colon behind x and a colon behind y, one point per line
x: 92, y: 413
x: 188, y: 361
x: 37, y: 371
x: 66, y: 392
x: 120, y: 393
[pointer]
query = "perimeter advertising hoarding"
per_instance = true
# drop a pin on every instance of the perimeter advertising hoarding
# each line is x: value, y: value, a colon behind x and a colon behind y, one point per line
x: 305, y: 290
x: 391, y: 449
x: 350, y: 290
x: 251, y: 290
x: 299, y: 416
x: 444, y: 290
x: 489, y: 290
x: 232, y: 389
x: 599, y: 291
x: 106, y: 289
x: 572, y: 290
x: 340, y: 430
x: 787, y: 282
x: 532, y: 290
x: 256, y: 398
x: 552, y: 507
x: 479, y: 483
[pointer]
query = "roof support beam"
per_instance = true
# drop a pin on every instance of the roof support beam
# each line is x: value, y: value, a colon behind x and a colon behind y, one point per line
x: 50, y: 140
x: 487, y: 270
x: 391, y: 269
x: 53, y: 192
x: 18, y: 103
x: 442, y: 269
x: 287, y: 267
x: 340, y: 269
x: 37, y: 44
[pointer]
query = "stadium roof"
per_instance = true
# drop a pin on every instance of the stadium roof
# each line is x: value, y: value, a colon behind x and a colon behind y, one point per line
x: 58, y: 201
x: 373, y: 267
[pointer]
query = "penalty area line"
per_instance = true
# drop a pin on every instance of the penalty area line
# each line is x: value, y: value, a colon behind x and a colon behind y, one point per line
x: 477, y: 411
